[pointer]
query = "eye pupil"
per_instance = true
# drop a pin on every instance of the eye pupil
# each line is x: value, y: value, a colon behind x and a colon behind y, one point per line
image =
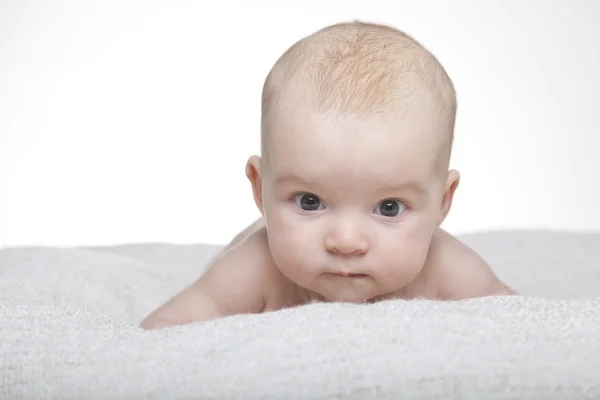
x: 389, y: 208
x: 309, y: 202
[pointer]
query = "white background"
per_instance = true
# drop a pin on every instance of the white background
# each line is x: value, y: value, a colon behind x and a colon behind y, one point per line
x: 131, y: 121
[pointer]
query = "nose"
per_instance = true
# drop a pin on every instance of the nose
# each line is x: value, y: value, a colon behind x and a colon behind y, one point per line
x: 346, y: 240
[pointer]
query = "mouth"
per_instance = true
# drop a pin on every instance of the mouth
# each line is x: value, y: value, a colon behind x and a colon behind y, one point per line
x: 349, y: 275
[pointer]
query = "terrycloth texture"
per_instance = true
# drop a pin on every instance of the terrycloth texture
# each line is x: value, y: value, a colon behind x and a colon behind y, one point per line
x: 68, y: 330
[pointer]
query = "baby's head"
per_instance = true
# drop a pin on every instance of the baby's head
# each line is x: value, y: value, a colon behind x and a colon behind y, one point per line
x: 357, y: 130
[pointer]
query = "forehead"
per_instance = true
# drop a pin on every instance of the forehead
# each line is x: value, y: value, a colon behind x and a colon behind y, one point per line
x: 349, y: 149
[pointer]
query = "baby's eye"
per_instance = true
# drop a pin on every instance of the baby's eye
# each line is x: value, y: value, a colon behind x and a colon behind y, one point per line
x: 390, y: 208
x: 307, y: 201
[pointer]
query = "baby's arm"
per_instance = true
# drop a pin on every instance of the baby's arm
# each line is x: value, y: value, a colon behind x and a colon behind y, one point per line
x: 461, y: 272
x: 233, y: 284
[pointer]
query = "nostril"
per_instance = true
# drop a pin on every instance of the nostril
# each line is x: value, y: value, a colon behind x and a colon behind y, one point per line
x: 341, y: 253
x: 346, y: 244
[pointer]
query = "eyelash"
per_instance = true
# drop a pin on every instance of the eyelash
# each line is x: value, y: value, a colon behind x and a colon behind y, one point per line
x: 404, y: 202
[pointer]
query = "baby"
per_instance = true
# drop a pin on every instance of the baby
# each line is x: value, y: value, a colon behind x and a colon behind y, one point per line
x: 353, y: 185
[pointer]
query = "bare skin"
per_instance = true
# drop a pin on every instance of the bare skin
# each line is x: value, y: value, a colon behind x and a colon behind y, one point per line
x: 452, y: 271
x: 336, y: 228
x: 352, y: 201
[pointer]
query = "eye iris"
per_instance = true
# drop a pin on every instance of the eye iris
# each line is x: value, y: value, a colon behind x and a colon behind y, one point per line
x: 309, y: 202
x: 389, y: 208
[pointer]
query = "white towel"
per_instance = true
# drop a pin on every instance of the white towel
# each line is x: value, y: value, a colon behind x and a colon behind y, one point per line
x: 68, y: 330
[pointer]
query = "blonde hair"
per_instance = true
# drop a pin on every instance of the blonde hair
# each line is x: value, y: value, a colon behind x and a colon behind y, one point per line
x: 361, y: 68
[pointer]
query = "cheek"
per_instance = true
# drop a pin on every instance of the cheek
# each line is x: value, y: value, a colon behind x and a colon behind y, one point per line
x: 404, y: 252
x: 290, y: 245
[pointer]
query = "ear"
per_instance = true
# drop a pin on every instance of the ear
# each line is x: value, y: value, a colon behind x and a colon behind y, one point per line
x: 451, y: 184
x: 253, y: 173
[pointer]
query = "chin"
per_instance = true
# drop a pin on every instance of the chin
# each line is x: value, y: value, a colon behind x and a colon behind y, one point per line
x: 354, y: 297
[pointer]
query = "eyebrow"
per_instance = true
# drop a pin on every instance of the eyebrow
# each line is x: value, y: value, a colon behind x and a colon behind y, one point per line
x: 414, y: 188
x: 409, y: 186
x: 292, y: 178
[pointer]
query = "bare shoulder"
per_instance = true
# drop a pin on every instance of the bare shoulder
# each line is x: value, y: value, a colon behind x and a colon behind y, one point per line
x: 238, y: 278
x: 236, y: 282
x: 459, y: 272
